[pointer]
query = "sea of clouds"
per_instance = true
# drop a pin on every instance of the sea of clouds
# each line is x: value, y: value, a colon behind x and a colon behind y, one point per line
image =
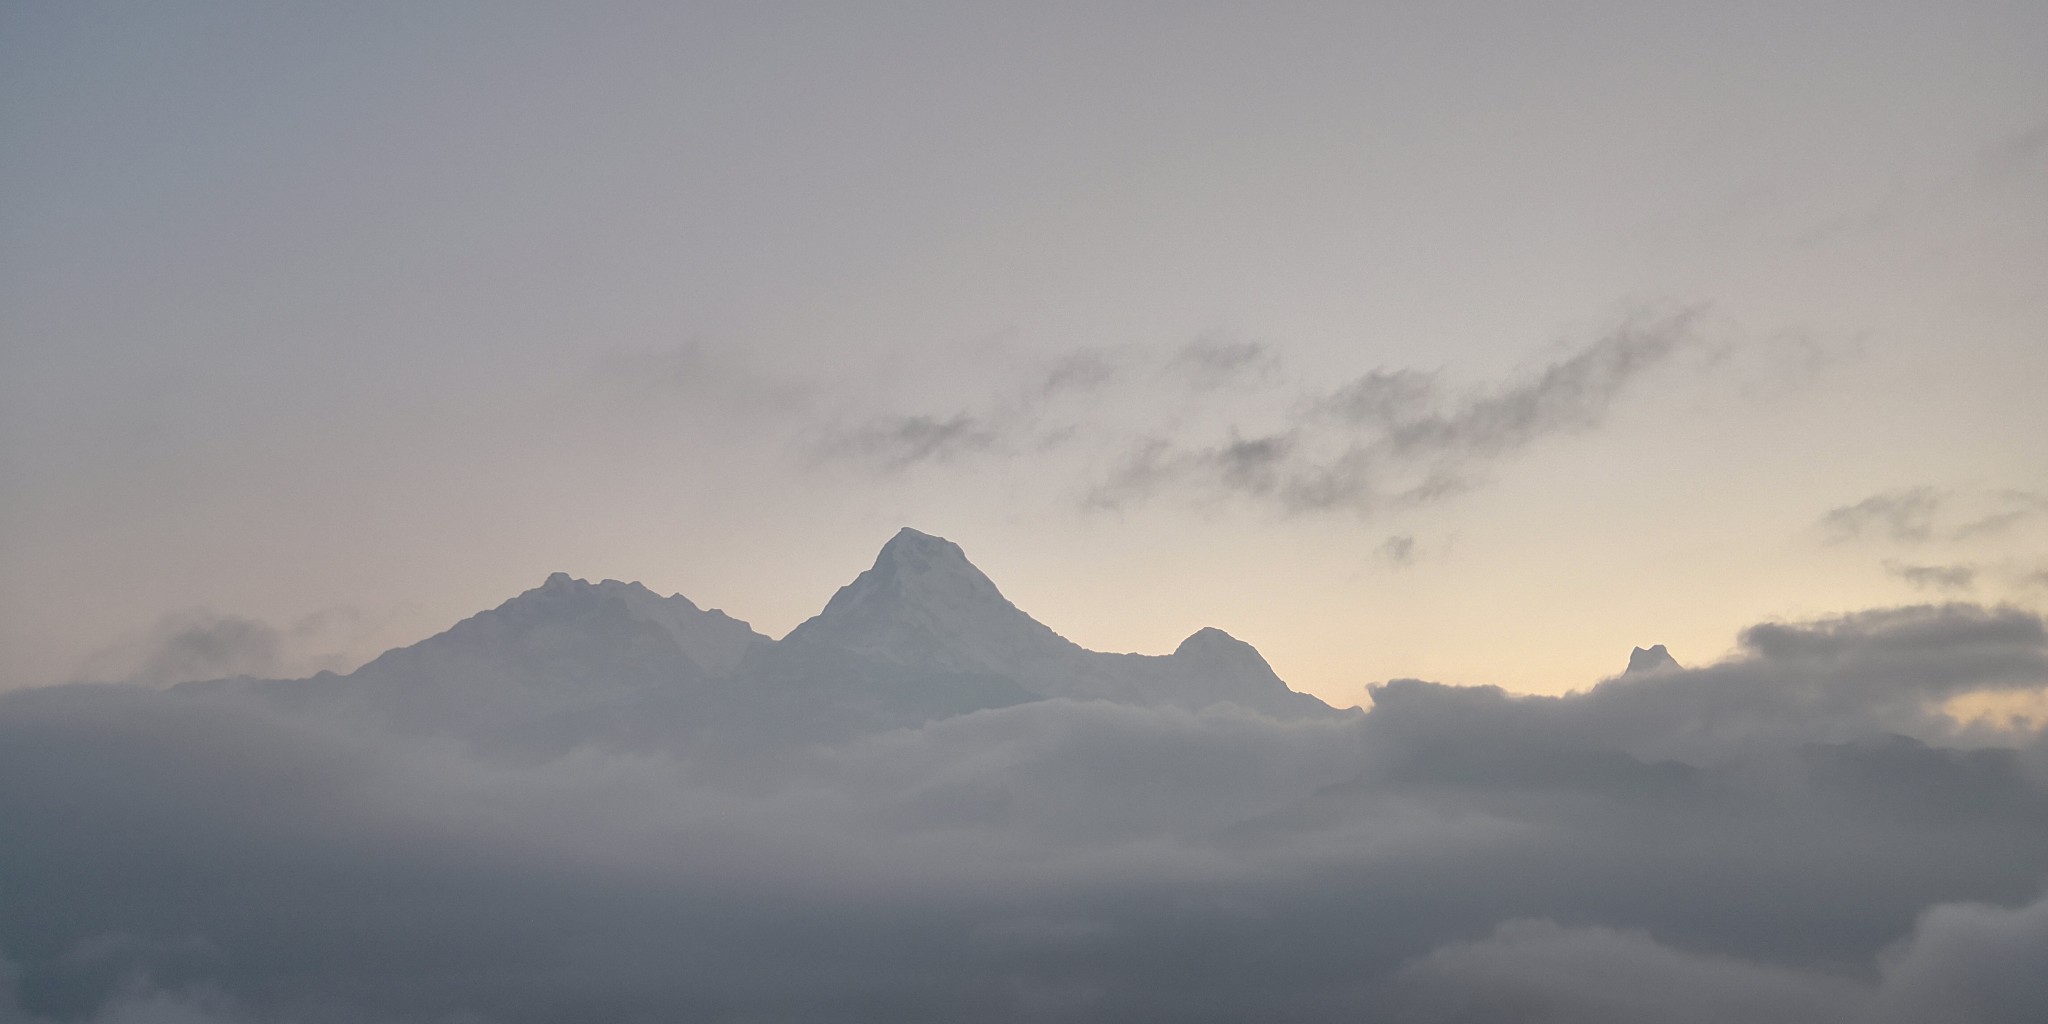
x: 1798, y: 833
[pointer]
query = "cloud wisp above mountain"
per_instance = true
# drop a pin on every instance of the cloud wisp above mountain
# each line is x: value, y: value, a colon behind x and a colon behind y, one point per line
x: 1386, y: 437
x: 1216, y: 417
x: 597, y: 803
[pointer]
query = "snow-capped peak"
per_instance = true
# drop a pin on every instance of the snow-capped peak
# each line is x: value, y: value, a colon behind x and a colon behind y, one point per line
x: 714, y: 640
x: 924, y: 603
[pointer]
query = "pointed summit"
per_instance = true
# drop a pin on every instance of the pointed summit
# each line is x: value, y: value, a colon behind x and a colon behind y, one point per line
x: 1214, y: 645
x: 1654, y: 659
x: 915, y: 552
x: 923, y: 603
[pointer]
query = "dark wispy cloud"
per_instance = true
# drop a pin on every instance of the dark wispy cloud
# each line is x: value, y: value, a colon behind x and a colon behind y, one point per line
x: 895, y: 442
x: 1214, y: 361
x: 1215, y: 419
x: 1934, y: 577
x: 200, y: 644
x: 1985, y: 533
x: 1401, y: 436
x: 1397, y: 551
x: 1915, y: 515
x: 2010, y: 509
x: 1083, y: 370
x: 1773, y: 837
x: 1905, y: 515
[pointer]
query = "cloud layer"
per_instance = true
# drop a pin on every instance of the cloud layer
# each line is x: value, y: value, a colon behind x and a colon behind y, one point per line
x: 1795, y: 833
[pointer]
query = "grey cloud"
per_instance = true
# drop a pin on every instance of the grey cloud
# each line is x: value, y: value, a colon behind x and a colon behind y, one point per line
x: 1934, y: 577
x: 1146, y: 467
x: 1571, y: 394
x: 1397, y: 551
x: 200, y: 644
x: 1251, y: 465
x: 1213, y: 361
x: 1963, y: 963
x: 138, y: 1002
x: 1915, y: 515
x: 1033, y: 419
x: 1869, y: 674
x: 1729, y: 834
x: 201, y: 648
x: 1538, y: 972
x: 896, y: 442
x: 1213, y: 419
x: 1968, y: 962
x: 1080, y: 371
x: 1903, y: 515
x: 1385, y: 398
x: 2013, y: 507
x: 1394, y: 438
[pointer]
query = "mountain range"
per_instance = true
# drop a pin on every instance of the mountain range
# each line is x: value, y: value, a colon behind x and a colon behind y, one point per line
x: 922, y: 634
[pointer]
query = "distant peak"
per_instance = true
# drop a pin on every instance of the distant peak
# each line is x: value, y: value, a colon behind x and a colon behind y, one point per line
x: 1209, y: 638
x: 1215, y: 649
x: 1651, y: 659
x: 558, y: 580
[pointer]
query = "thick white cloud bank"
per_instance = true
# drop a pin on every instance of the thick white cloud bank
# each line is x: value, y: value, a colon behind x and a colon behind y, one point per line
x: 1796, y: 834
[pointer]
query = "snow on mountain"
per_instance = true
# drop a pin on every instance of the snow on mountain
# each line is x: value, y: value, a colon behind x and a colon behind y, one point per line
x: 920, y: 635
x: 562, y: 663
x: 572, y: 624
x: 924, y: 605
x: 714, y: 640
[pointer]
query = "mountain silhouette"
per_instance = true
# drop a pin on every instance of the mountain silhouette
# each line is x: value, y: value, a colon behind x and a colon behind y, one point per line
x: 1650, y: 659
x: 922, y: 634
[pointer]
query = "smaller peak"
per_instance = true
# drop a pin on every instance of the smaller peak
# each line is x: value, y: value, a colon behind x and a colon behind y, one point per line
x: 559, y: 581
x: 1209, y: 638
x: 1212, y: 646
x: 1650, y: 659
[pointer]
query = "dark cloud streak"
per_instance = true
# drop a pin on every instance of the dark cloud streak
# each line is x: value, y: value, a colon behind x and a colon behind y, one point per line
x: 1395, y: 437
x: 1934, y: 577
x: 1906, y: 516
x: 898, y: 442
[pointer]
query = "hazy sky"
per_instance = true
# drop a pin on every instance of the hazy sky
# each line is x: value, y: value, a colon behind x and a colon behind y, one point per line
x: 1470, y: 342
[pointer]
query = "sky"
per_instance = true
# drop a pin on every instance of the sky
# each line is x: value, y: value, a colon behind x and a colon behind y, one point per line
x: 1472, y: 343
x: 1444, y: 357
